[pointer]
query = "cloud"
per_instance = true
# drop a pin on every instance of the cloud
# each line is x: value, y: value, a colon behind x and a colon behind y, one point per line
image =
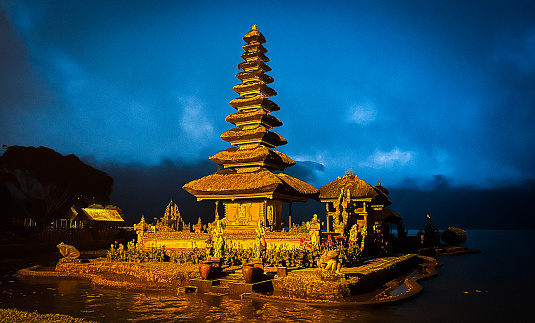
x: 387, y: 159
x: 194, y: 121
x: 363, y: 114
x: 518, y: 50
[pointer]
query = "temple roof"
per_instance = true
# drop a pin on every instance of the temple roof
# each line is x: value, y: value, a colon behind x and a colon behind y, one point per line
x: 358, y: 189
x: 259, y: 155
x: 254, y: 36
x: 254, y: 87
x: 105, y: 215
x: 254, y: 55
x: 381, y: 188
x: 258, y: 134
x: 254, y: 48
x: 256, y: 116
x: 261, y: 182
x: 255, y: 75
x: 254, y: 101
x: 248, y: 167
x: 253, y: 65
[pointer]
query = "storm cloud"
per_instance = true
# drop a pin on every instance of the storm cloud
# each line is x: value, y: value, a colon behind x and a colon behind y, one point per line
x: 393, y: 90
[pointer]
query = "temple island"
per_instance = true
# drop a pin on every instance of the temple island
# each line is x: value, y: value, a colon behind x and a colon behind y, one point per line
x: 253, y: 188
x: 357, y: 250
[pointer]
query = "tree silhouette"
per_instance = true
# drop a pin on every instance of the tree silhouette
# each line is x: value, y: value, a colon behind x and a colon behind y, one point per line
x: 46, y: 184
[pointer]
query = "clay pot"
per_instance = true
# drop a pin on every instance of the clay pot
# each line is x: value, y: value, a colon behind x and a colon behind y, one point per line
x: 252, y: 273
x: 205, y: 269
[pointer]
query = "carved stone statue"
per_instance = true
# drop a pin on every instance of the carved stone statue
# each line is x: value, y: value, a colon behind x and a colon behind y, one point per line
x: 329, y: 261
x: 314, y: 230
x: 141, y: 227
x: 217, y: 237
x: 198, y: 227
x: 260, y: 243
x: 68, y: 252
x: 353, y: 233
x: 338, y: 226
x: 363, y: 234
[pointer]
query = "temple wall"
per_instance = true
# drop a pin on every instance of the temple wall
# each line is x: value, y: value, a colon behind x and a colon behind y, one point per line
x: 188, y: 241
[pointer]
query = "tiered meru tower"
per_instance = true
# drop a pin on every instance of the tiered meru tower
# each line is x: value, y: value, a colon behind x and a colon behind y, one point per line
x: 247, y: 185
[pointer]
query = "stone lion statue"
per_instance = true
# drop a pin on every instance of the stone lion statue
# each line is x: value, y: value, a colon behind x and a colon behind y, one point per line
x: 329, y: 261
x: 68, y: 251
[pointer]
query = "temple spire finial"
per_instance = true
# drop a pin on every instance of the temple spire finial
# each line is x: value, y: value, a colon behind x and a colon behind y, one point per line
x: 254, y: 27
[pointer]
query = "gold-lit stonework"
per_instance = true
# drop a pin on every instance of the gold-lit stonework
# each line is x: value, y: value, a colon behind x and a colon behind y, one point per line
x: 247, y: 186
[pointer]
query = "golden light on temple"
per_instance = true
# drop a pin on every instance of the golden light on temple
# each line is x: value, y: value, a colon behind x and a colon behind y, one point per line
x: 247, y: 184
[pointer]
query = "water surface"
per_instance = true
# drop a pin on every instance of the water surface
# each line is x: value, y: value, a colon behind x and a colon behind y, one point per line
x: 496, y: 285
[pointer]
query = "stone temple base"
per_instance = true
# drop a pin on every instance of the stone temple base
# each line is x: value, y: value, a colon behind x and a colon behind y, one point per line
x: 190, y: 240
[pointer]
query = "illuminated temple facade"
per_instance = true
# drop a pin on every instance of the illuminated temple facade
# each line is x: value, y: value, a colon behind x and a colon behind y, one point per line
x: 250, y: 181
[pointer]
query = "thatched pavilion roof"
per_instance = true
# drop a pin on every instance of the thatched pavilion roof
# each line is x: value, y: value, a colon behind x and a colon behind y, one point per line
x: 261, y: 182
x: 358, y: 188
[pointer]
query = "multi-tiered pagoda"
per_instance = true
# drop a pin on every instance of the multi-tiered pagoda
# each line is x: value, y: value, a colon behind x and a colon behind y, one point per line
x: 247, y: 184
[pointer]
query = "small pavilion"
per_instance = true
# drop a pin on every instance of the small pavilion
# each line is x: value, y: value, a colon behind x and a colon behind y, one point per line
x: 351, y: 201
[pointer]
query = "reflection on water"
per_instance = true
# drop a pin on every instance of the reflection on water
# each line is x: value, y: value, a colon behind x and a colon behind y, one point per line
x: 502, y: 273
x: 80, y: 299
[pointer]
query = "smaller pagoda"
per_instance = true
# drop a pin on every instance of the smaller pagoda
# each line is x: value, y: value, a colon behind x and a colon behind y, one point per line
x: 351, y: 201
x: 251, y: 184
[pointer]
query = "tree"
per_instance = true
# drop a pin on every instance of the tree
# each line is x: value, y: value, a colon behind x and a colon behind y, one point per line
x: 46, y: 184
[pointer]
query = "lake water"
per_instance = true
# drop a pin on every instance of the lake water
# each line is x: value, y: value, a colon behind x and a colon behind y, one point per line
x: 496, y: 285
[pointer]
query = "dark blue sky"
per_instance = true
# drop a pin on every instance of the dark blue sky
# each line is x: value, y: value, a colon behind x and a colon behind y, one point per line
x: 392, y: 89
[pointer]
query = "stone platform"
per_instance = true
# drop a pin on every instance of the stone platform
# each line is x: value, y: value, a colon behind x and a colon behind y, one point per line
x: 232, y: 283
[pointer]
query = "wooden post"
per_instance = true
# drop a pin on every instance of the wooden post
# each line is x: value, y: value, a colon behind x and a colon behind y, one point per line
x: 216, y: 211
x: 290, y: 216
x: 327, y: 215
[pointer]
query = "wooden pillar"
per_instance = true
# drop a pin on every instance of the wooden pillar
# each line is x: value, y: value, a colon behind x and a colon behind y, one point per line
x: 290, y: 215
x: 327, y: 215
x: 216, y: 209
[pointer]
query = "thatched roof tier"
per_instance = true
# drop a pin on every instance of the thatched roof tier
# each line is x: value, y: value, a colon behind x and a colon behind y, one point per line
x: 358, y: 189
x: 254, y: 87
x: 248, y: 56
x: 254, y: 102
x: 254, y: 117
x: 230, y: 184
x: 381, y: 188
x: 253, y: 65
x: 258, y: 134
x: 256, y: 75
x: 254, y: 36
x: 261, y: 156
x: 254, y: 48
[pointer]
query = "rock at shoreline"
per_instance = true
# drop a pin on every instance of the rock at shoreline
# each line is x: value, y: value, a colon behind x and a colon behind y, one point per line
x: 454, y: 236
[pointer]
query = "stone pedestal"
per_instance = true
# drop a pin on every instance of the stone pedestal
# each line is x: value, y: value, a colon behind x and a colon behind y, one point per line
x: 260, y: 287
x: 204, y: 285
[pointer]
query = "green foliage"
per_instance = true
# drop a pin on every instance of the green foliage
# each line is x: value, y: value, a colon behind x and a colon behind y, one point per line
x: 303, y: 256
x: 132, y: 253
x: 236, y: 254
x: 194, y: 256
